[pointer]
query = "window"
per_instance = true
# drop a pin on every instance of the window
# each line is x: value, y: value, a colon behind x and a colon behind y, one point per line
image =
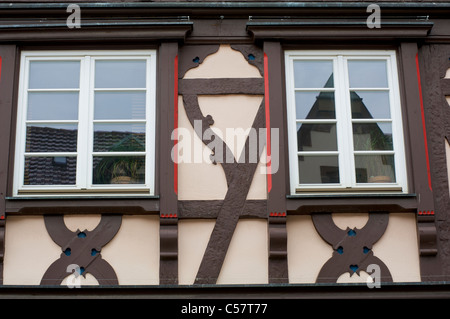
x: 344, y: 121
x: 86, y: 122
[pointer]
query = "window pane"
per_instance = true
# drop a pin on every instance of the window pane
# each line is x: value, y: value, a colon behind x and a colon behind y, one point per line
x: 370, y: 105
x: 375, y: 168
x: 372, y: 136
x: 120, y: 74
x: 313, y: 74
x: 58, y: 170
x: 314, y: 105
x: 316, y: 137
x: 119, y: 137
x: 119, y: 105
x: 52, y: 106
x: 119, y: 170
x: 54, y: 75
x: 318, y: 169
x: 367, y: 74
x: 51, y: 138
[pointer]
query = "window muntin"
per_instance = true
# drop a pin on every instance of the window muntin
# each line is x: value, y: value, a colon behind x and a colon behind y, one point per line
x: 344, y: 121
x: 86, y: 122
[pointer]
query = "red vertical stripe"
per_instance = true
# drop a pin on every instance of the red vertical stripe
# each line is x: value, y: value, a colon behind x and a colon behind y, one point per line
x: 423, y: 122
x: 267, y: 109
x: 175, y: 126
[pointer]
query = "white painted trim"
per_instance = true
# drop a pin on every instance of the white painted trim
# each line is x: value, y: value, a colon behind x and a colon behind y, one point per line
x: 344, y: 121
x: 85, y: 122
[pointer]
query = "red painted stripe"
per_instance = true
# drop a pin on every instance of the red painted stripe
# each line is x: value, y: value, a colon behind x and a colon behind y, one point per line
x: 267, y: 109
x: 423, y: 123
x: 175, y: 126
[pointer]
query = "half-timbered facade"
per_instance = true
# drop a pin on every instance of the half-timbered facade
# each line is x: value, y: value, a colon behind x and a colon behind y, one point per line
x: 244, y: 147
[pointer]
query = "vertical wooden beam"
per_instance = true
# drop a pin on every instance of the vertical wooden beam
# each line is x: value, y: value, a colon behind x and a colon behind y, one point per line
x: 7, y: 80
x: 278, y: 178
x: 430, y: 267
x: 167, y: 122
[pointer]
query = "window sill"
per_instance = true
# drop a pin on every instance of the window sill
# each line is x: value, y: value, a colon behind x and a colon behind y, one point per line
x: 81, y: 197
x: 350, y: 195
x: 126, y: 204
x: 304, y: 204
x: 82, y: 193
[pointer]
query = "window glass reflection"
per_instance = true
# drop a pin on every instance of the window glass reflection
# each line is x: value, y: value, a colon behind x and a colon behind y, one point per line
x: 367, y: 74
x: 318, y: 169
x: 370, y: 104
x: 315, y: 105
x: 313, y: 74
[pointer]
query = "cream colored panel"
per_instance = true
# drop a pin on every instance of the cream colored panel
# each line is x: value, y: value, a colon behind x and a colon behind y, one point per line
x: 246, y: 261
x: 225, y: 63
x: 193, y: 237
x: 448, y: 99
x: 234, y: 130
x: 398, y: 248
x: 350, y: 220
x: 29, y: 250
x: 134, y: 251
x: 307, y: 251
x: 258, y: 188
x: 82, y: 222
x: 233, y: 117
x: 198, y: 178
x: 363, y: 277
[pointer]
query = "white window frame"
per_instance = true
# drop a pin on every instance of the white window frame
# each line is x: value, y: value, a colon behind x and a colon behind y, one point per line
x: 344, y: 123
x: 84, y: 185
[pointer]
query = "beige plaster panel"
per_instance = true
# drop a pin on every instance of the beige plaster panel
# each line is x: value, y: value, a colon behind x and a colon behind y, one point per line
x: 246, y: 260
x: 133, y: 253
x: 225, y: 63
x: 198, y: 178
x: 307, y: 252
x: 29, y: 250
x: 398, y: 249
